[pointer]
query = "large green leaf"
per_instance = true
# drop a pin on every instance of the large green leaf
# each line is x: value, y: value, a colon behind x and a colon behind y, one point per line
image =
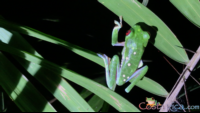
x: 53, y: 82
x: 105, y: 107
x: 133, y: 12
x: 152, y: 87
x: 21, y: 91
x: 78, y: 50
x: 60, y: 88
x: 190, y: 9
x: 103, y: 92
x: 42, y: 36
x: 85, y: 93
x: 96, y: 103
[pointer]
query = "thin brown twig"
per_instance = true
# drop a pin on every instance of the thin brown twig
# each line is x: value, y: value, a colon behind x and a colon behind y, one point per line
x: 192, y: 76
x: 172, y: 65
x: 176, y: 71
x: 194, y: 79
x: 183, y: 69
x: 184, y: 81
x: 172, y: 97
x: 52, y: 101
x: 180, y: 105
x: 186, y: 49
x: 185, y: 89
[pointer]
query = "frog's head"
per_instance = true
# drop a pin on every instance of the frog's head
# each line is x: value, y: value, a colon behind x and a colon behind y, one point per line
x: 137, y: 32
x: 150, y: 100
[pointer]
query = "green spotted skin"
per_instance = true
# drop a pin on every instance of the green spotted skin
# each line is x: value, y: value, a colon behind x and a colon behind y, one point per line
x: 135, y: 43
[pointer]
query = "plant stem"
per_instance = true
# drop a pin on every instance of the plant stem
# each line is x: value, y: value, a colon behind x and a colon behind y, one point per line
x: 175, y: 91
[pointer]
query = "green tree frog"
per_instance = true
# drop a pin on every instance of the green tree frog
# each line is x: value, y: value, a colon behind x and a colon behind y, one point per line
x: 152, y: 102
x: 130, y: 68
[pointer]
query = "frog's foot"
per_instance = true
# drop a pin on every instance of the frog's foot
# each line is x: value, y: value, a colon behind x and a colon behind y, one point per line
x: 152, y: 105
x: 118, y: 24
x: 145, y: 2
x: 105, y: 58
x: 115, y: 33
x: 148, y: 104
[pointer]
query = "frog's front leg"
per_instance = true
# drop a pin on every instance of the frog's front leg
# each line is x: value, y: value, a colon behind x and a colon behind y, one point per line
x: 112, y: 70
x: 145, y: 2
x: 115, y: 33
x: 138, y: 75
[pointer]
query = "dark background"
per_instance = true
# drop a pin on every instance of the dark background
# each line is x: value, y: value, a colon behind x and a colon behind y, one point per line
x: 89, y: 24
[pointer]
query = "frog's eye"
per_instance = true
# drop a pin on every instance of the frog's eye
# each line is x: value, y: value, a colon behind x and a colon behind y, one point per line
x: 128, y: 32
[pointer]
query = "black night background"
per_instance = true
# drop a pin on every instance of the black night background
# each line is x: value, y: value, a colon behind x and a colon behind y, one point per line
x: 89, y: 24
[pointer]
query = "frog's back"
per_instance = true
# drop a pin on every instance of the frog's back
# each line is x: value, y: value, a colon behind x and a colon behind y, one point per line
x: 133, y: 51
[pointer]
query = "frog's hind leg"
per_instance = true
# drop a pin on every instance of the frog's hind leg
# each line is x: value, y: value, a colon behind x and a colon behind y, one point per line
x: 138, y: 75
x: 112, y: 67
x: 115, y: 33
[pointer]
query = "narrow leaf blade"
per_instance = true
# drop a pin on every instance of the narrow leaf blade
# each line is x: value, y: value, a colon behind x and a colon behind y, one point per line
x: 96, y: 103
x: 53, y: 82
x: 22, y: 92
x: 190, y: 9
x: 103, y: 92
x: 153, y: 87
x: 133, y: 13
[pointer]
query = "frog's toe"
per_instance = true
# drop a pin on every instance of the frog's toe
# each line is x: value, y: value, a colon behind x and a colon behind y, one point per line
x: 100, y: 55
